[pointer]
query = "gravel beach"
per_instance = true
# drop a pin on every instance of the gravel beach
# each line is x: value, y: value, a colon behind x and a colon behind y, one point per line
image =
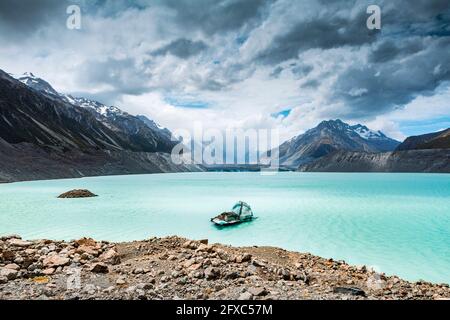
x: 177, y: 268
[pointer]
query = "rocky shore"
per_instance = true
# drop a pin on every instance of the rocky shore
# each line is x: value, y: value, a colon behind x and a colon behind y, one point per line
x: 176, y: 268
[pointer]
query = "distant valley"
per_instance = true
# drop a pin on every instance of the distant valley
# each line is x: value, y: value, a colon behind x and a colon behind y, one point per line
x: 48, y: 135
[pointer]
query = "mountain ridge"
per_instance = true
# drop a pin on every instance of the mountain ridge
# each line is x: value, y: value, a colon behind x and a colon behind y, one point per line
x: 426, y: 160
x: 435, y: 140
x: 133, y: 129
x: 44, y: 136
x: 330, y: 136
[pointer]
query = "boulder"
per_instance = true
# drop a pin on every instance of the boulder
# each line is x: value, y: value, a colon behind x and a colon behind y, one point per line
x: 77, y: 193
x: 243, y: 258
x: 12, y: 266
x: 19, y: 243
x: 49, y: 271
x: 100, y: 268
x: 110, y: 256
x: 89, y: 242
x: 10, y: 236
x: 354, y: 291
x: 87, y: 249
x: 258, y: 292
x: 212, y: 273
x: 8, y: 255
x: 245, y: 296
x: 9, y: 274
x: 56, y: 261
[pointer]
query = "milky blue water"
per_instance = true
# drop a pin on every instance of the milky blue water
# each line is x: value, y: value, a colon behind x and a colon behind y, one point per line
x: 396, y: 223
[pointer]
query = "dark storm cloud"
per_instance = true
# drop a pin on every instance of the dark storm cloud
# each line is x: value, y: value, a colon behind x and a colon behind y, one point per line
x: 408, y: 57
x: 19, y: 18
x: 216, y: 16
x: 121, y: 75
x: 393, y: 48
x: 332, y: 29
x: 409, y: 60
x: 417, y: 11
x: 375, y: 88
x: 182, y: 48
x: 325, y: 32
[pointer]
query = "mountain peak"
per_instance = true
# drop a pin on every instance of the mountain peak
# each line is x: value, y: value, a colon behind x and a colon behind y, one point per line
x: 359, y: 129
x: 330, y: 136
x: 333, y: 124
x: 36, y: 83
x: 29, y: 74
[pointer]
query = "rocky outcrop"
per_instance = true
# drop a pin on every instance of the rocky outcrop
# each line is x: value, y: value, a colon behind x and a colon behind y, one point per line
x: 176, y: 268
x: 437, y: 140
x: 77, y: 193
x: 435, y: 161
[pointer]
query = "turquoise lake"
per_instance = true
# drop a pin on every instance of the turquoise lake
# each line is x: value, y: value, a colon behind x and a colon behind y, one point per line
x: 396, y: 223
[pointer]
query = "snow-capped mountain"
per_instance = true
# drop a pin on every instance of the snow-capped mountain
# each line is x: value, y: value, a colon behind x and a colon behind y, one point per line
x: 100, y: 108
x: 143, y: 135
x: 36, y: 83
x: 331, y: 136
x: 43, y: 86
x: 366, y: 133
x: 45, y: 135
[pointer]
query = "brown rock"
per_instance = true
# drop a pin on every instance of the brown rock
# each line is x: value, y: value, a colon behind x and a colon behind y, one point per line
x: 19, y: 243
x: 195, y: 266
x: 258, y: 292
x: 212, y: 273
x: 77, y: 193
x: 8, y: 255
x: 188, y: 263
x: 8, y: 273
x: 110, y: 256
x: 243, y: 258
x: 100, y: 268
x: 12, y: 266
x: 10, y: 236
x: 49, y: 271
x: 87, y: 249
x: 87, y: 242
x: 56, y: 261
x: 245, y: 296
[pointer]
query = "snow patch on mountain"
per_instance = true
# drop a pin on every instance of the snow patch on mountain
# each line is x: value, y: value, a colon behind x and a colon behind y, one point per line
x: 35, y: 83
x: 367, y: 133
x: 106, y: 111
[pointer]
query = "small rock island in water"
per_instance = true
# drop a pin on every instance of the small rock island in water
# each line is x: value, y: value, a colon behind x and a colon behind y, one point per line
x: 78, y: 193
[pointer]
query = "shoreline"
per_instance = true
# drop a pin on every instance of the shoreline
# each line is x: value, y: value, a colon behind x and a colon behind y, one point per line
x: 177, y: 268
x: 211, y: 171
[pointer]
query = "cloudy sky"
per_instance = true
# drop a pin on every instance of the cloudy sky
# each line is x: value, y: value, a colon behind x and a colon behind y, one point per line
x: 283, y: 64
